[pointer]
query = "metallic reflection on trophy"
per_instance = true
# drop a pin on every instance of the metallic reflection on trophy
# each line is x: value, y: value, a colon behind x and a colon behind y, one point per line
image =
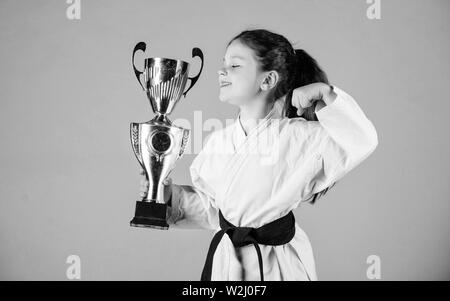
x: 157, y: 143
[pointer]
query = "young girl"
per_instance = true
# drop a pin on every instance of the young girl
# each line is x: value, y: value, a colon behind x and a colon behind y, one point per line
x: 294, y: 137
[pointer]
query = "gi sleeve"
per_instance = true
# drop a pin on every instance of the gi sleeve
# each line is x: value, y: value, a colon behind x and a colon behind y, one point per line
x: 346, y: 138
x: 194, y: 206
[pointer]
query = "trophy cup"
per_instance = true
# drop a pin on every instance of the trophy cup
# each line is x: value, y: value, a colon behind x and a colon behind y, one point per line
x: 157, y: 143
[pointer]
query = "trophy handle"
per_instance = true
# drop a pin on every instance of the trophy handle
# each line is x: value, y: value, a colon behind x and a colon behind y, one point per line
x: 195, y: 52
x: 136, y: 143
x: 139, y: 46
x: 184, y: 142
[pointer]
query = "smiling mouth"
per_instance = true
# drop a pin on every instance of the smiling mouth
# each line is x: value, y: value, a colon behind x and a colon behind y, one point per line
x: 225, y: 84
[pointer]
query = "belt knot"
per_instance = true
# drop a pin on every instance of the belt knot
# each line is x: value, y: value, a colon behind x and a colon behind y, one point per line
x: 241, y: 236
x: 275, y: 233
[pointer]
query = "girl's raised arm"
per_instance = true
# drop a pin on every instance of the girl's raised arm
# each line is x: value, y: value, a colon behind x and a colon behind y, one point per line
x: 345, y: 138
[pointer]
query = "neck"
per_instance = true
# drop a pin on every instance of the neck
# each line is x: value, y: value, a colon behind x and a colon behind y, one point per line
x: 251, y: 114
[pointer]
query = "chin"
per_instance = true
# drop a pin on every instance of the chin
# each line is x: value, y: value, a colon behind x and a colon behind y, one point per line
x: 235, y: 101
x: 223, y: 98
x: 230, y: 101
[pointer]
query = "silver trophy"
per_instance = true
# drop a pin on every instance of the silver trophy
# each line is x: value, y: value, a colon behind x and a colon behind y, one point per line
x: 157, y: 143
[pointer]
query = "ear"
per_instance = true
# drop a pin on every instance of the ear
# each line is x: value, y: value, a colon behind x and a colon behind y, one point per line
x: 270, y: 80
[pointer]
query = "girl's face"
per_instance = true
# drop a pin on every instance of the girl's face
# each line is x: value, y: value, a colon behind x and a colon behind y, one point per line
x: 240, y: 78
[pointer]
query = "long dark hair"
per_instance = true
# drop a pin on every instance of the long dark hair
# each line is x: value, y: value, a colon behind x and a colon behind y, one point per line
x: 295, y: 67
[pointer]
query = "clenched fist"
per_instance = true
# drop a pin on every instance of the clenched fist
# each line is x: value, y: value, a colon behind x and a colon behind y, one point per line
x: 305, y: 96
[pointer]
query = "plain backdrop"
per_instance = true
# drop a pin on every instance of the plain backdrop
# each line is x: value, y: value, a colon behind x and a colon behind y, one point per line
x: 69, y: 179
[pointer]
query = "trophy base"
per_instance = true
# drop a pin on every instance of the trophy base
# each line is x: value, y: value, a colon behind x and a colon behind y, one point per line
x: 150, y: 215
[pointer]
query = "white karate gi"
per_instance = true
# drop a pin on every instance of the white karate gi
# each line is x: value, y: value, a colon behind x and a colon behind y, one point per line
x: 260, y: 177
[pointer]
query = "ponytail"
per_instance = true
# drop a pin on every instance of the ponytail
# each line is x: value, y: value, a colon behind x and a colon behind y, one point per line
x: 304, y: 71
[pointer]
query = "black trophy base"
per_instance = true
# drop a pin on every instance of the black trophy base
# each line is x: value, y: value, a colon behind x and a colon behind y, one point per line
x: 150, y: 215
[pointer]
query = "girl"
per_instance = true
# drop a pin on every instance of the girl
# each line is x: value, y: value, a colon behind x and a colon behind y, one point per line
x: 294, y: 137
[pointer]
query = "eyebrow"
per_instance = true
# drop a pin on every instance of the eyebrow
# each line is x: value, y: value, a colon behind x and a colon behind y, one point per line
x: 236, y: 56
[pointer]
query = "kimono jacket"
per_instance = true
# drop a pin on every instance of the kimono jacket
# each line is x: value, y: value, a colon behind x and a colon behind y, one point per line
x: 259, y: 177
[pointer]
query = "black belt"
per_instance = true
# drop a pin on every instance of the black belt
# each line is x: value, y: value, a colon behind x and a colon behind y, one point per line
x: 278, y: 232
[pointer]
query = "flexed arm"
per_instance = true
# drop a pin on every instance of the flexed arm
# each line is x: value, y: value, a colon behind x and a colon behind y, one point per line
x: 343, y: 134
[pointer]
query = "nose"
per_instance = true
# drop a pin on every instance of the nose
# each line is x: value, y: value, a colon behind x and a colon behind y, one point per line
x: 221, y: 71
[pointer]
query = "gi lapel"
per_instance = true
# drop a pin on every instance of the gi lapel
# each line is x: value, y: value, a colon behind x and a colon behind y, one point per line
x: 249, y: 144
